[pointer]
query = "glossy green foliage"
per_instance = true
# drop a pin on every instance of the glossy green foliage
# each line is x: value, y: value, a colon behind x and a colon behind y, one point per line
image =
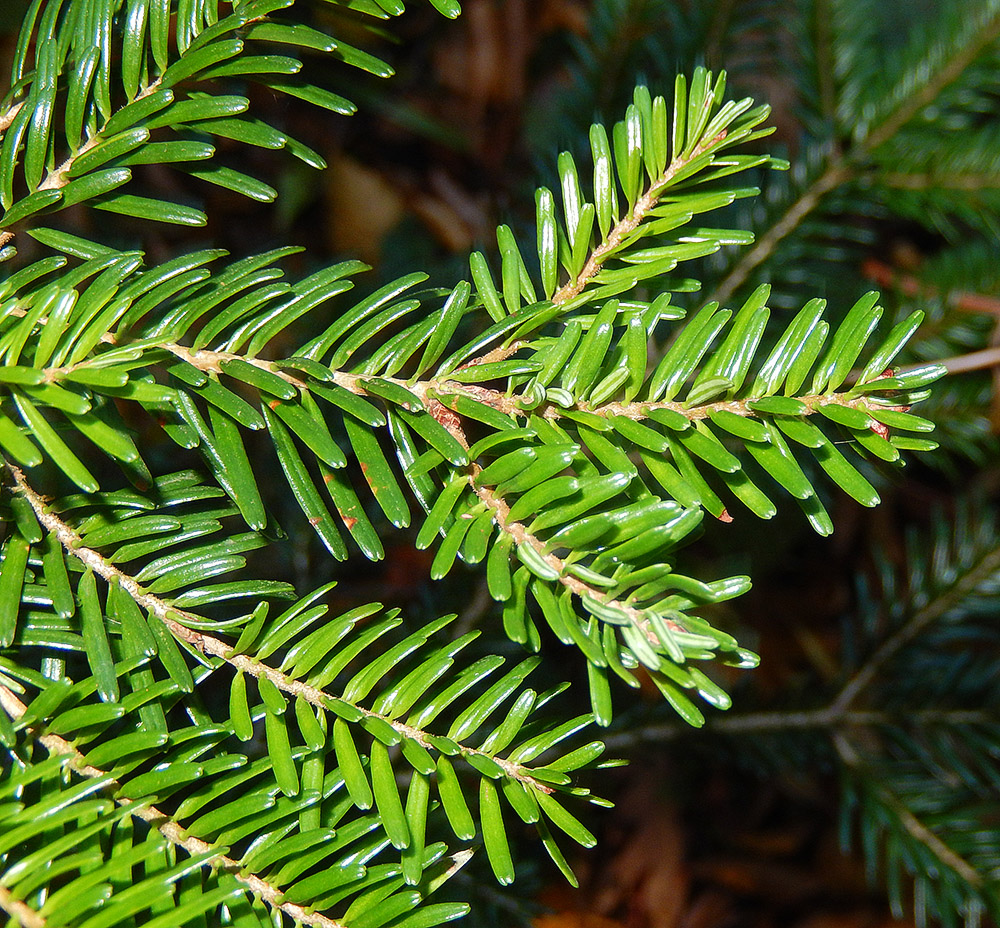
x: 89, y: 836
x: 905, y: 137
x: 892, y: 118
x: 652, y: 173
x: 94, y: 95
x: 56, y: 827
x: 341, y: 763
x: 591, y: 474
x: 332, y: 692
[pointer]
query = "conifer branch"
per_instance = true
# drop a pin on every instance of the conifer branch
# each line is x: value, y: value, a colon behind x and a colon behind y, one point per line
x: 616, y: 484
x: 162, y: 822
x: 430, y: 390
x: 913, y: 825
x: 843, y: 167
x: 173, y: 617
x: 630, y: 222
x: 937, y: 607
x: 581, y: 588
x: 59, y: 177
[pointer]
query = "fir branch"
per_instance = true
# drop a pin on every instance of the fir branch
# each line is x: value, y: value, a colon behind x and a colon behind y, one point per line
x: 914, y: 827
x: 631, y: 221
x: 430, y: 390
x: 162, y: 822
x: 640, y: 410
x: 58, y: 177
x: 921, y: 619
x: 173, y: 618
x: 581, y: 588
x: 844, y: 167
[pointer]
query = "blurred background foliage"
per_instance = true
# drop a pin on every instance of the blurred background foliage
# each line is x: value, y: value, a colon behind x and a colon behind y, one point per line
x: 888, y: 111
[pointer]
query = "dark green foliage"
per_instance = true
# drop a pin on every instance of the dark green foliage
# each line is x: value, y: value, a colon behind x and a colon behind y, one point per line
x: 267, y: 760
x: 924, y: 661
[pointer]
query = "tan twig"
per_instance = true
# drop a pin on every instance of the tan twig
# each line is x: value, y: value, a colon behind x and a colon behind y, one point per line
x: 973, y: 361
x: 21, y: 912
